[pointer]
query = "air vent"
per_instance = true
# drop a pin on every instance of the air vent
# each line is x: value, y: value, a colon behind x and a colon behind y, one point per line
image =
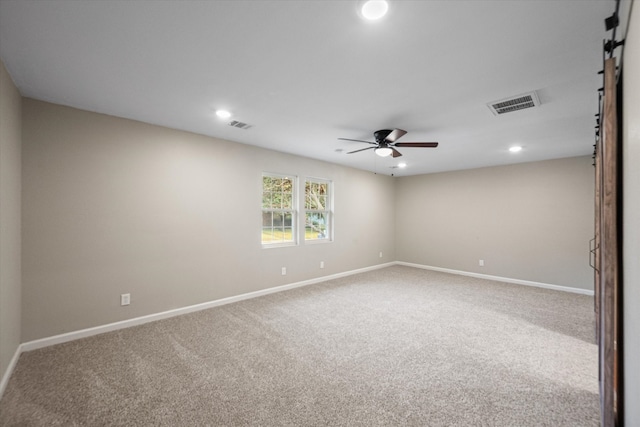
x: 240, y: 125
x: 520, y: 102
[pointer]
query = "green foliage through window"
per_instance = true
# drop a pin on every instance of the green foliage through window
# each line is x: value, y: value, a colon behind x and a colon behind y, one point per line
x: 278, y: 209
x: 317, y: 201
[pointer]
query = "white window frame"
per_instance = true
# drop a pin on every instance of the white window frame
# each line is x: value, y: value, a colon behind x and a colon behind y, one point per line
x: 293, y: 210
x: 328, y: 211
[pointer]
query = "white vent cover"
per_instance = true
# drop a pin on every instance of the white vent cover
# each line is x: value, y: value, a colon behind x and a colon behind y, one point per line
x: 240, y: 125
x: 515, y: 103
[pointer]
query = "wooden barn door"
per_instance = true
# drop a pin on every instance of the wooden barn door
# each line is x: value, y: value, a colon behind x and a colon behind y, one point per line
x: 607, y: 252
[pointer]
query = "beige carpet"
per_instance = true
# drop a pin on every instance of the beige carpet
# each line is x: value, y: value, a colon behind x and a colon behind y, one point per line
x: 398, y: 346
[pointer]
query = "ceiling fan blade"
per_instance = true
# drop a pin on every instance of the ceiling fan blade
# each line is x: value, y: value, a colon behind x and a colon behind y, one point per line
x: 395, y: 134
x: 416, y: 144
x: 395, y: 152
x: 357, y: 140
x: 368, y: 148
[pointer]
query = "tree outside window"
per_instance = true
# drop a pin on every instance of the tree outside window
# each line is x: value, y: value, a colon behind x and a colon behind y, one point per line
x: 278, y: 209
x: 317, y: 205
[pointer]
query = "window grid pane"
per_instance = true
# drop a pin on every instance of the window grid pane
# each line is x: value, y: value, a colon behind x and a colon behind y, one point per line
x: 317, y: 210
x: 278, y: 212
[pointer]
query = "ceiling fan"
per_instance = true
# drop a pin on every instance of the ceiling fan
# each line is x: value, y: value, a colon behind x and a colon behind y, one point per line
x: 386, y: 144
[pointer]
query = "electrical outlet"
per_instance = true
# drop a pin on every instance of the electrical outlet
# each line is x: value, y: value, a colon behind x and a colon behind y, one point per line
x: 380, y: 254
x: 284, y: 271
x: 481, y: 263
x: 321, y: 264
x: 125, y: 299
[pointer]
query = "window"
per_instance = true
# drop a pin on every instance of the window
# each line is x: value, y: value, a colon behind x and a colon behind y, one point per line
x: 317, y: 206
x: 278, y: 210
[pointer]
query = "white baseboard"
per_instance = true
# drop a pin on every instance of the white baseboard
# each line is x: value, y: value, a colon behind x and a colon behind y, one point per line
x: 83, y: 333
x: 500, y: 279
x: 9, y: 370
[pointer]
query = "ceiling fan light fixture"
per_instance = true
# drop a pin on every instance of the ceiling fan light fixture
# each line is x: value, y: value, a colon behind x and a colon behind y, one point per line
x: 383, y: 151
x: 374, y: 9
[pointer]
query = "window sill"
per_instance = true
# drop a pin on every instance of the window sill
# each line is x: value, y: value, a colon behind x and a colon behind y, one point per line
x: 317, y: 241
x: 278, y: 245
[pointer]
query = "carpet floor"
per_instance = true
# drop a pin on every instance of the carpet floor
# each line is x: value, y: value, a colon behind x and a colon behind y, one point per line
x: 396, y: 346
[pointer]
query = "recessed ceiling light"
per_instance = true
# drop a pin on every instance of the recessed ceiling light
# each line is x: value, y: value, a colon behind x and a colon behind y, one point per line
x: 515, y: 149
x: 223, y: 114
x: 402, y: 165
x: 374, y: 9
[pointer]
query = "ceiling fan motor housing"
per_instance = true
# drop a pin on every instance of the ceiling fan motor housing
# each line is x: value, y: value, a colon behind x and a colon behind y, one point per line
x: 381, y: 135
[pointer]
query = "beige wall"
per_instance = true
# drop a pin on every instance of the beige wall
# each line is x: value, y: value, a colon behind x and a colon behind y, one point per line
x: 116, y: 206
x: 10, y: 139
x: 530, y: 221
x: 631, y: 218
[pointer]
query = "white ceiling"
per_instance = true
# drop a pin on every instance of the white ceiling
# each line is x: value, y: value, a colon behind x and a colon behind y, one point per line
x: 304, y: 73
